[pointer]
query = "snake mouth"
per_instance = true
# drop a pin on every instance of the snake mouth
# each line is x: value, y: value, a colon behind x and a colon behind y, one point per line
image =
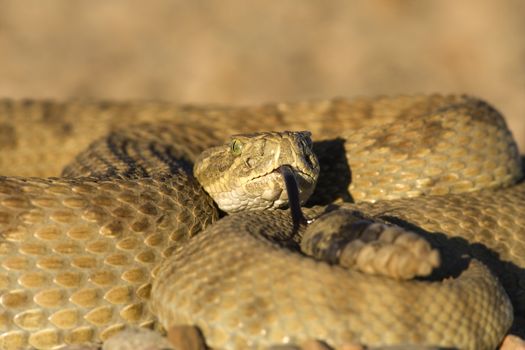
x: 303, y: 180
x: 298, y: 174
x: 267, y: 190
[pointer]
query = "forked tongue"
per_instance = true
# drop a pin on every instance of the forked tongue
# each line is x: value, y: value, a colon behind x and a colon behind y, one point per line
x: 294, y: 202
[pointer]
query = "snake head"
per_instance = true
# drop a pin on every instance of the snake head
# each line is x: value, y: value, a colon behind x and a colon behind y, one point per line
x: 243, y: 173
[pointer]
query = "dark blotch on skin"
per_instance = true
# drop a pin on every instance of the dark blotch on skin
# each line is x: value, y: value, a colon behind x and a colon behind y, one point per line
x: 332, y: 232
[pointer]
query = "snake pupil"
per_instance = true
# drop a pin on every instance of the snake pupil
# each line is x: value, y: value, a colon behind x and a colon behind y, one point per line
x: 236, y: 147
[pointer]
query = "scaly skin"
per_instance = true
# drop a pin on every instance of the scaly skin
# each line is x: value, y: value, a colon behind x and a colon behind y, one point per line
x: 62, y: 236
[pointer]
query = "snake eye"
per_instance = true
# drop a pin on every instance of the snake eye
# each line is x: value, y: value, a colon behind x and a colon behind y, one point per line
x: 236, y: 147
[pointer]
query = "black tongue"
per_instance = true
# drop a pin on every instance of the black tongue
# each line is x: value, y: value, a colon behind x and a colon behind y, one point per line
x: 294, y: 202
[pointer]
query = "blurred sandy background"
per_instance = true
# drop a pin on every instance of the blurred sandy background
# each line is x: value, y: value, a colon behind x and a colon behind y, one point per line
x: 252, y: 51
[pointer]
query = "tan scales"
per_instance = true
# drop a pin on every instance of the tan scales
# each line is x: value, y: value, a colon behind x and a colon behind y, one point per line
x: 424, y: 145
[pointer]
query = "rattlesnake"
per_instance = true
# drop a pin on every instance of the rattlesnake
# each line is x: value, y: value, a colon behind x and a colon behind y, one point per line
x: 77, y: 251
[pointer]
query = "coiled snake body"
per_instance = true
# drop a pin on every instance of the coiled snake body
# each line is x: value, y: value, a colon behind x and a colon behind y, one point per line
x: 78, y: 253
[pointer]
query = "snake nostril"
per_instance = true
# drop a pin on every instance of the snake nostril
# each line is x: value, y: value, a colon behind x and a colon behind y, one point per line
x: 308, y: 159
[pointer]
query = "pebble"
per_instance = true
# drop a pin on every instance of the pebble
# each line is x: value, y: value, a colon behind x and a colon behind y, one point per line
x: 186, y: 338
x: 512, y: 342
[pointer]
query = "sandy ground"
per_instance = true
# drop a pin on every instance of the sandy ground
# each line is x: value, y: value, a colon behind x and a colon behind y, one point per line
x: 240, y: 52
